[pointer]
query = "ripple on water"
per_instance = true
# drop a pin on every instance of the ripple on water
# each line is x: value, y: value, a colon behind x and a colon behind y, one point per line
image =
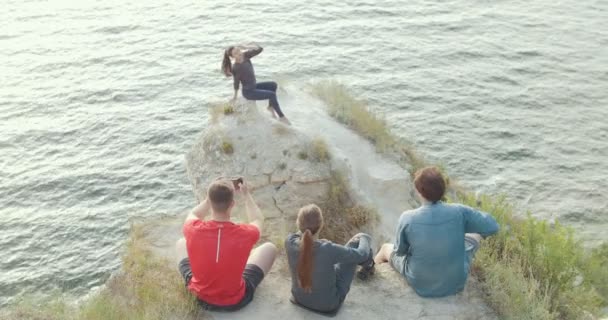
x: 117, y: 29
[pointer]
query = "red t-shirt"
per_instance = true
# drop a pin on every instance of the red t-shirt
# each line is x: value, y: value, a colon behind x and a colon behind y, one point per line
x: 218, y: 252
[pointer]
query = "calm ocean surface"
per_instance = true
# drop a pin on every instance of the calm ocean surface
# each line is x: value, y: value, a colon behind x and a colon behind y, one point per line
x: 99, y: 102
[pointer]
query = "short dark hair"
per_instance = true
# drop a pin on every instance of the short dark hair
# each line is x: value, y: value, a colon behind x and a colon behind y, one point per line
x: 430, y: 183
x: 221, y: 195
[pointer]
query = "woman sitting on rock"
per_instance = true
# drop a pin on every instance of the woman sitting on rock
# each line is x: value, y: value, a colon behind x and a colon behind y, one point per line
x: 322, y: 271
x: 242, y: 72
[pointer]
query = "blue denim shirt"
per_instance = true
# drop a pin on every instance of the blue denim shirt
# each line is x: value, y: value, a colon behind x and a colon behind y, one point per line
x: 432, y: 238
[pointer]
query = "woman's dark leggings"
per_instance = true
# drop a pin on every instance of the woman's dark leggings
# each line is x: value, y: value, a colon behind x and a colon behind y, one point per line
x: 265, y: 91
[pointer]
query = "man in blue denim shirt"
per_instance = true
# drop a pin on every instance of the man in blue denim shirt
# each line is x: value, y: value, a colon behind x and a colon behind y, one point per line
x: 435, y: 243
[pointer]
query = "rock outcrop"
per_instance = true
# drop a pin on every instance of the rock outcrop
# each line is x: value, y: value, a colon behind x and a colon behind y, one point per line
x: 285, y: 171
x: 280, y: 164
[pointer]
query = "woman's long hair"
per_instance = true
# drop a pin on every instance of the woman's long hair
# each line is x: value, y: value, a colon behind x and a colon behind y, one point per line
x: 226, y: 63
x: 310, y: 222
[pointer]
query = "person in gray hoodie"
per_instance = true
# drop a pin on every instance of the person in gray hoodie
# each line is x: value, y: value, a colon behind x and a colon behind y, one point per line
x: 322, y: 271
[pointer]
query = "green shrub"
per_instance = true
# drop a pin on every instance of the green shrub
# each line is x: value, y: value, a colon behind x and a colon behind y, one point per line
x: 595, y: 270
x: 512, y: 295
x: 534, y: 262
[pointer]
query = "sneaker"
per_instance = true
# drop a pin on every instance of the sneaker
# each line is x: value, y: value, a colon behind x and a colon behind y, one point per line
x: 368, y: 268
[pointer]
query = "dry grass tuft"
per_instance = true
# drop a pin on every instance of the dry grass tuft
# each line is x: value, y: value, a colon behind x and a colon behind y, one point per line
x: 227, y: 146
x: 228, y: 109
x: 355, y: 113
x: 319, y: 150
x: 343, y: 217
x: 219, y: 109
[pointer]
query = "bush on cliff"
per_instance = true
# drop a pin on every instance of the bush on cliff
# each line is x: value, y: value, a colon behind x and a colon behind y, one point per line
x: 534, y: 270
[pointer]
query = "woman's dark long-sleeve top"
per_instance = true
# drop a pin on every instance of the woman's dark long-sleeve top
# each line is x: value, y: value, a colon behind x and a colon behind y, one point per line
x: 243, y: 72
x: 326, y: 295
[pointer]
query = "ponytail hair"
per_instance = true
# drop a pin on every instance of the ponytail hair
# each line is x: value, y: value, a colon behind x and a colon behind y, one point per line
x: 310, y: 222
x: 304, y: 268
x: 226, y: 63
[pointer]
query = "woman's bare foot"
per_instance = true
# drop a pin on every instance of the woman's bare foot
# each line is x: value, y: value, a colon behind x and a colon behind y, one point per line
x: 285, y: 120
x: 271, y: 110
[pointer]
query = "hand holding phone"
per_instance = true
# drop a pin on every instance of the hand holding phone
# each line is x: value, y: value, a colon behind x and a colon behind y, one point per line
x: 237, y: 182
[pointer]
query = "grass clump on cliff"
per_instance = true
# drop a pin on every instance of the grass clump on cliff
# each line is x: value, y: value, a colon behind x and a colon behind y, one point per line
x: 319, y: 150
x: 228, y: 110
x: 219, y: 109
x: 227, y: 146
x: 356, y: 114
x: 530, y: 269
x: 147, y: 288
x: 343, y: 218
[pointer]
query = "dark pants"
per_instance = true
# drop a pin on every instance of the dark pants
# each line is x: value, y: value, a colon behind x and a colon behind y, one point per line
x: 265, y: 91
x: 345, y: 273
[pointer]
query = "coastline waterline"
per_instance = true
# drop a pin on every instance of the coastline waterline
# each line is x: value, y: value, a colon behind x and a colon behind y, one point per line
x: 99, y: 104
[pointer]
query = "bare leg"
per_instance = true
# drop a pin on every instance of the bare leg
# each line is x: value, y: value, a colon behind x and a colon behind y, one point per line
x: 263, y: 256
x: 384, y: 253
x: 271, y: 110
x: 180, y: 249
x: 475, y: 236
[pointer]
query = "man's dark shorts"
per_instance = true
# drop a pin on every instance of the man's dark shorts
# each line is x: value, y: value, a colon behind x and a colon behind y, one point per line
x: 252, y: 275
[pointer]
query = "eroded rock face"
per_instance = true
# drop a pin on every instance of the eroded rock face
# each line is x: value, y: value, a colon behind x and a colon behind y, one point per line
x: 276, y: 161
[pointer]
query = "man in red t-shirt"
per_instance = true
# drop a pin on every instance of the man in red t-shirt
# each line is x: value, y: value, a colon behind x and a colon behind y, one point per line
x: 221, y: 269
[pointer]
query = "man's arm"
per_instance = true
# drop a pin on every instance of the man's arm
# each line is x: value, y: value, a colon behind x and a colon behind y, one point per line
x: 254, y: 214
x: 202, y: 210
x: 479, y: 222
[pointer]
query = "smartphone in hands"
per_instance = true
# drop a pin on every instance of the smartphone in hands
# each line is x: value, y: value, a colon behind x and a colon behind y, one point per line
x: 236, y: 181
